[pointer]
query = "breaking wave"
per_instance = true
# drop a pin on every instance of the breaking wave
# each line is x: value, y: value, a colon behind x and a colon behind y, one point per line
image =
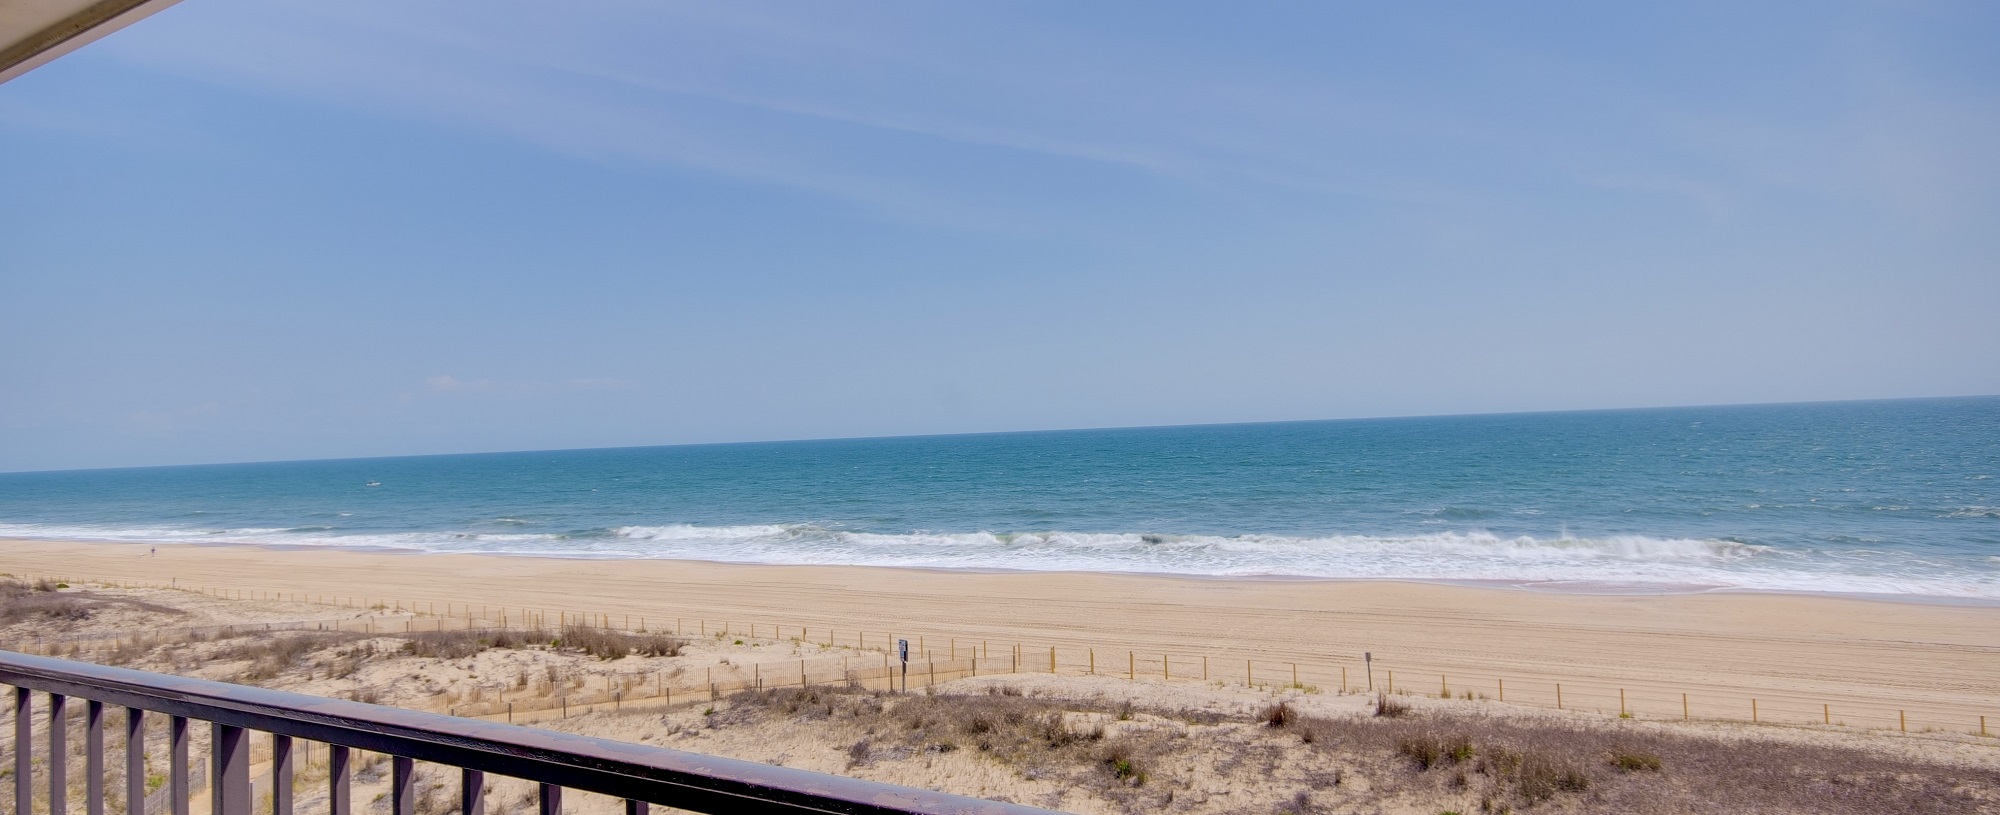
x: 1448, y: 556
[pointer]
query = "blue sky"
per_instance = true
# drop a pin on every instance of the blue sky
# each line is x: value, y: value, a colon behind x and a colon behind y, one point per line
x: 264, y: 230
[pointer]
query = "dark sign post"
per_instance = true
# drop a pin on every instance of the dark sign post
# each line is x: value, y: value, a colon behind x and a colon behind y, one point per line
x: 903, y: 650
x: 1368, y: 659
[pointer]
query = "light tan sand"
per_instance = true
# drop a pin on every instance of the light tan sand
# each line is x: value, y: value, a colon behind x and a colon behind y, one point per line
x: 1865, y: 660
x: 1206, y: 746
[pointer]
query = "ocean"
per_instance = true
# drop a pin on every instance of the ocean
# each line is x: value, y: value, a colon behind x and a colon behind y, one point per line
x: 1888, y: 498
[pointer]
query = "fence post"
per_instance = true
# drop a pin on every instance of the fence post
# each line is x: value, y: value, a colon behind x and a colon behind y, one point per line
x: 1902, y: 721
x: 1131, y: 665
x: 1684, y: 707
x: 1052, y: 659
x: 1753, y: 711
x: 1559, y: 692
x: 1621, y: 703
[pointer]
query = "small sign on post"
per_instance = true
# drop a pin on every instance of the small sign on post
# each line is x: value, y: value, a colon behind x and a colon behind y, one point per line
x: 903, y: 651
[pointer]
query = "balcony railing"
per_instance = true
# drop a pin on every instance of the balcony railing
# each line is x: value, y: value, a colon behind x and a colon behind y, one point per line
x: 641, y: 775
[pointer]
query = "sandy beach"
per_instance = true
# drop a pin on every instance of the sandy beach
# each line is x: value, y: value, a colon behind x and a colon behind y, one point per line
x: 1803, y: 658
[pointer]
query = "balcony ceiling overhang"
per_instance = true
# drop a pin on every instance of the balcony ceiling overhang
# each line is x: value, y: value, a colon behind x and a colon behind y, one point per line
x: 32, y: 32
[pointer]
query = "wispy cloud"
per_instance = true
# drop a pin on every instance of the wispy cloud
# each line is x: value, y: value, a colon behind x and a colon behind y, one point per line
x: 828, y: 100
x: 622, y: 102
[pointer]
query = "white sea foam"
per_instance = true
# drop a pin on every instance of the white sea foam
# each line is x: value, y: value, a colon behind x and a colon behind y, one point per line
x: 672, y: 532
x: 1630, y: 560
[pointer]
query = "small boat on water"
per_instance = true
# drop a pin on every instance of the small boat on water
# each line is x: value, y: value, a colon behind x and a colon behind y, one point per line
x: 374, y: 483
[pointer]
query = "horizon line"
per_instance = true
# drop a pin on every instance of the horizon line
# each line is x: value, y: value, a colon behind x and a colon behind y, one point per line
x: 1097, y: 428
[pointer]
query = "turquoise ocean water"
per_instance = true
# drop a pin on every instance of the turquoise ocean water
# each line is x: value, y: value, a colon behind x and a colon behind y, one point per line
x: 1895, y: 497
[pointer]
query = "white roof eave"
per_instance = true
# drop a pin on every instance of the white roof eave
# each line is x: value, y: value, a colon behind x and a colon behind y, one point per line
x: 33, y: 32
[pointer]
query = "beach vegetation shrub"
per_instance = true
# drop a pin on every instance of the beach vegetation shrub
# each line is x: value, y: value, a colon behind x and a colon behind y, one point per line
x: 271, y: 656
x: 1539, y: 776
x: 24, y: 601
x: 1278, y: 715
x: 1635, y: 761
x: 1430, y: 751
x: 1124, y: 766
x: 1390, y: 707
x: 605, y: 643
x: 1301, y: 804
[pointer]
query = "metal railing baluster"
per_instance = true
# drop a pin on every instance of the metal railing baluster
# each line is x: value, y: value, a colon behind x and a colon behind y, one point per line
x: 281, y: 775
x: 339, y: 778
x: 135, y: 761
x: 93, y: 757
x: 177, y: 764
x: 58, y: 754
x: 551, y: 799
x: 24, y: 753
x: 402, y: 786
x: 472, y: 793
x: 229, y: 787
x: 635, y: 807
